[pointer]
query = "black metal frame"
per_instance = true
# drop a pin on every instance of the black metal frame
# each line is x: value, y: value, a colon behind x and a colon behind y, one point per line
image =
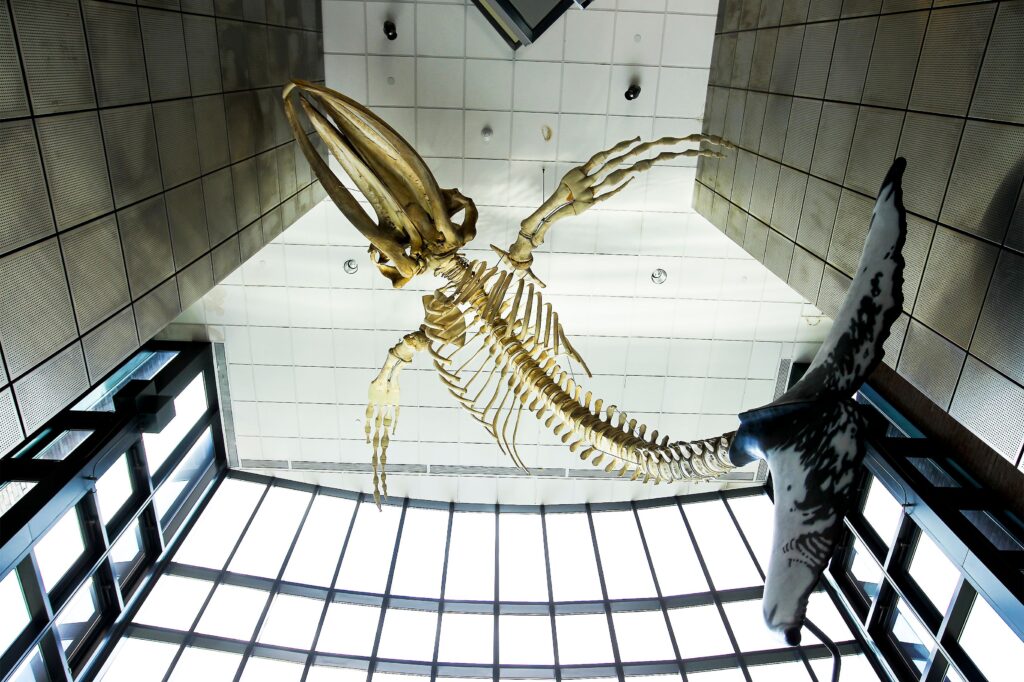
x: 69, y: 486
x: 524, y: 33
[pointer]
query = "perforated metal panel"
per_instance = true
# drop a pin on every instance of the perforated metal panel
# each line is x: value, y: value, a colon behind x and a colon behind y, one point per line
x: 24, y: 210
x: 154, y: 310
x: 789, y: 199
x: 220, y: 208
x: 194, y: 281
x: 998, y: 94
x: 991, y: 406
x: 853, y: 217
x: 54, y: 55
x: 186, y: 215
x: 794, y: 11
x: 48, y: 388
x: 770, y: 13
x: 741, y: 61
x: 240, y: 109
x: 132, y: 156
x: 176, y: 137
x: 734, y: 114
x: 10, y: 425
x: 815, y: 59
x: 999, y: 338
x: 755, y: 238
x: 953, y: 285
x: 35, y: 307
x: 930, y: 363
x: 850, y: 58
x: 915, y: 254
x: 764, y: 55
x: 202, y: 54
x: 211, y: 132
x: 110, y: 343
x: 721, y: 62
x: 832, y: 146
x: 787, y: 59
x: 13, y: 101
x: 266, y: 169
x: 118, y: 60
x: 950, y: 58
x: 834, y: 286
x: 778, y: 255
x: 873, y: 148
x: 928, y: 143
x: 247, y: 197
x: 164, y: 41
x: 250, y: 240
x: 753, y: 120
x: 986, y: 180
x: 805, y: 273
x: 762, y: 198
x: 147, y: 244
x: 76, y: 169
x: 736, y: 227
x: 743, y: 179
x: 894, y: 59
x: 256, y: 53
x: 855, y: 8
x: 820, y: 10
x: 286, y: 170
x: 226, y: 258
x: 818, y: 215
x: 96, y: 271
x: 776, y: 120
x: 233, y: 64
x: 894, y: 344
x: 801, y: 133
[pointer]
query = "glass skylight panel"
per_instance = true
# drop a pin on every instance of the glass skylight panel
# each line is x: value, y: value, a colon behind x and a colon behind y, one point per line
x: 408, y: 635
x: 866, y: 573
x: 421, y: 553
x: 471, y: 557
x: 571, y: 550
x: 316, y: 554
x: 349, y: 629
x: 271, y: 532
x: 59, y: 549
x: 522, y: 575
x: 11, y: 493
x: 58, y: 449
x: 748, y: 626
x: 126, y: 552
x: 673, y: 677
x: 583, y: 638
x: 233, y: 612
x: 933, y: 572
x: 12, y: 605
x: 912, y: 637
x: 291, y: 621
x: 466, y: 638
x: 991, y: 644
x: 144, y: 366
x: 398, y: 677
x: 855, y: 667
x: 174, y: 602
x: 882, y: 511
x: 259, y: 669
x: 699, y: 631
x: 114, y: 488
x: 330, y: 673
x: 139, y: 660
x: 179, y: 483
x: 525, y: 640
x: 32, y: 669
x: 189, y: 406
x: 729, y: 675
x: 822, y: 611
x: 215, y: 534
x: 623, y: 560
x: 77, y: 618
x: 642, y: 636
x: 367, y: 559
x: 205, y: 664
x: 724, y: 553
x: 754, y: 513
x: 672, y: 553
x: 790, y: 671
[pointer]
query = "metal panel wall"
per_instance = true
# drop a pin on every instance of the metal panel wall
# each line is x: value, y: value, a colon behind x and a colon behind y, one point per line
x: 820, y: 97
x: 144, y: 155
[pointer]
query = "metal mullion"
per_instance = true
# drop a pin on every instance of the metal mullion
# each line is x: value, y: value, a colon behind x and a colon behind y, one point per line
x: 331, y: 590
x: 227, y: 562
x: 657, y: 589
x: 444, y: 584
x: 495, y: 660
x: 714, y: 592
x: 551, y: 595
x: 619, y: 672
x: 386, y: 600
x: 273, y: 590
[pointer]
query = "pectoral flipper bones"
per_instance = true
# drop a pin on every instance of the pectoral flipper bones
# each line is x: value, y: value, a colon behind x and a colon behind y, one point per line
x: 497, y: 344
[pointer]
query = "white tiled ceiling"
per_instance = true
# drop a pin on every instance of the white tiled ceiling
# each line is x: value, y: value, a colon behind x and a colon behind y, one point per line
x: 303, y: 339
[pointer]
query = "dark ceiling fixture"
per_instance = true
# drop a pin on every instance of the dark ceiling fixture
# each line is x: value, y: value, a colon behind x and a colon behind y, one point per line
x: 632, y: 92
x: 389, y: 30
x: 521, y: 22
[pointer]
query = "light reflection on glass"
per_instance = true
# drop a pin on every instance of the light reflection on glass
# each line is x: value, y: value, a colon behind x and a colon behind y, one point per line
x: 189, y: 406
x: 59, y: 548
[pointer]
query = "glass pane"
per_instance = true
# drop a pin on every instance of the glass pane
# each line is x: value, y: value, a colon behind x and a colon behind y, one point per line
x: 349, y: 629
x: 855, y: 667
x: 316, y: 554
x: 78, y: 617
x: 32, y: 669
x: 174, y: 602
x: 215, y: 534
x: 673, y: 677
x: 728, y: 561
x: 466, y: 638
x: 143, y: 366
x: 672, y: 552
x: 328, y: 673
x: 754, y: 514
x: 525, y: 640
x: 521, y: 573
x: 822, y: 611
x: 139, y: 660
x: 126, y: 552
x: 181, y: 481
x: 699, y: 631
x: 368, y: 556
x: 731, y: 675
x: 11, y: 493
x: 583, y: 638
x: 623, y: 560
x: 63, y: 445
x: 866, y: 573
x: 882, y: 511
x: 408, y: 634
x: 421, y: 553
x: 748, y: 626
x: 991, y: 644
x: 271, y: 670
x: 14, y: 608
x: 59, y: 548
x: 573, y: 566
x: 271, y: 533
x: 189, y: 406
x: 933, y: 572
x: 205, y: 664
x: 291, y: 621
x: 792, y: 671
x: 912, y: 638
x: 114, y: 488
x: 233, y: 612
x: 643, y: 636
x: 471, y: 557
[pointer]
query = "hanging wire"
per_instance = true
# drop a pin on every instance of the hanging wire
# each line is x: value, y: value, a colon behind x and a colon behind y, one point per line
x: 837, y: 661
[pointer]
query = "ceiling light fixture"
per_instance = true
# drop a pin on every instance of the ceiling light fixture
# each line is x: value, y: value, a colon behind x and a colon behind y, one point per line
x: 390, y: 31
x: 659, y: 276
x: 351, y: 267
x: 487, y: 133
x: 632, y: 92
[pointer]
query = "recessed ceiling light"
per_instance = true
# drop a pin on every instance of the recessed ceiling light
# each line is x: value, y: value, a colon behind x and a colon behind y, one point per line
x: 487, y: 133
x: 351, y: 267
x: 659, y: 276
